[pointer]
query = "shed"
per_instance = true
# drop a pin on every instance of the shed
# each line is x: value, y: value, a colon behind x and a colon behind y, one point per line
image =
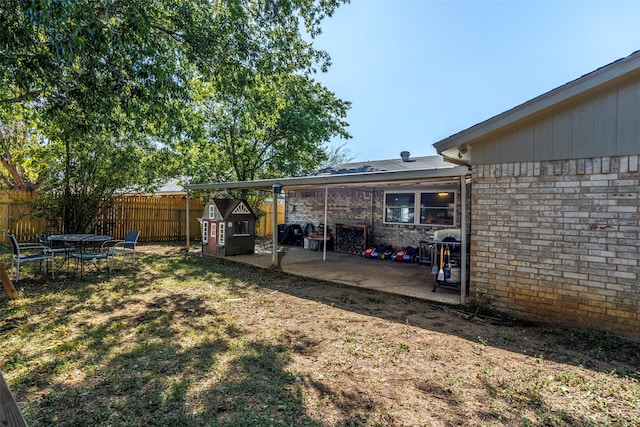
x: 228, y: 227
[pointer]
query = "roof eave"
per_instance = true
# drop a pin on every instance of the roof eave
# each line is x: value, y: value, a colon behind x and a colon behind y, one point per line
x: 310, y: 181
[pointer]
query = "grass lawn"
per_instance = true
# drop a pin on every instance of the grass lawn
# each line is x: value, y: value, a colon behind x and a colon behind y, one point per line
x: 191, y: 341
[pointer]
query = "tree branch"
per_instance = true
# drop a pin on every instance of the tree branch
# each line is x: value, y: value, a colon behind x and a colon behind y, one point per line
x: 11, y: 169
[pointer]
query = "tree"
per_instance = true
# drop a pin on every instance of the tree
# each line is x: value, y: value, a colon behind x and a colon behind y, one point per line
x: 112, y: 81
x: 22, y: 156
x: 275, y: 126
x: 272, y: 126
x: 336, y: 155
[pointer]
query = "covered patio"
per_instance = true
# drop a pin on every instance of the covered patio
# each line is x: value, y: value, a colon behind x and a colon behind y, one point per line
x: 402, y: 278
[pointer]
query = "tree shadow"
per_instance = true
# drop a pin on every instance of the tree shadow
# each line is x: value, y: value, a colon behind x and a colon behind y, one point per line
x: 595, y: 350
x: 130, y: 363
x: 139, y: 368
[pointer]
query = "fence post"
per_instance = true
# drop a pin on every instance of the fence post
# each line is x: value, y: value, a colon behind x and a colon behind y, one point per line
x: 188, y: 220
x: 6, y: 228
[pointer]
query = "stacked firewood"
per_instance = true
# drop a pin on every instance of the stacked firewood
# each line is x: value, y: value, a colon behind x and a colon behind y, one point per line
x: 351, y: 238
x: 318, y: 233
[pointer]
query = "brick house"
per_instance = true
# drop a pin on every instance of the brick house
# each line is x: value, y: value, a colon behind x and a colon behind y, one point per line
x: 554, y: 209
x: 400, y: 201
x: 556, y: 203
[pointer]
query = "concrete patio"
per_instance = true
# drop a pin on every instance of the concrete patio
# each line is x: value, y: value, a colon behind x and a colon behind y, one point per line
x: 401, y: 278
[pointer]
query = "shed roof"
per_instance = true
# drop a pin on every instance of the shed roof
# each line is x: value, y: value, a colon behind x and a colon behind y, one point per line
x: 456, y: 147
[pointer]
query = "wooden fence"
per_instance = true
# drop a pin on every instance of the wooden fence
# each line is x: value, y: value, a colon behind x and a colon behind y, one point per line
x: 158, y: 218
x: 264, y: 226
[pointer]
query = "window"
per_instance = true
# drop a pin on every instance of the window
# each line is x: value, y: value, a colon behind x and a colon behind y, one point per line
x: 213, y: 231
x: 212, y: 211
x: 205, y: 231
x: 221, y: 225
x: 435, y: 208
x: 241, y: 228
x: 399, y: 207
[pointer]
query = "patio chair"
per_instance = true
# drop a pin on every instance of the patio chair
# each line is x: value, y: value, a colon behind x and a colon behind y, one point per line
x: 124, y: 248
x: 92, y: 255
x: 56, y: 248
x: 26, y: 252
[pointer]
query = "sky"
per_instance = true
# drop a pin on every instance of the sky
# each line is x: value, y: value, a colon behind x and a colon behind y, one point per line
x: 418, y: 71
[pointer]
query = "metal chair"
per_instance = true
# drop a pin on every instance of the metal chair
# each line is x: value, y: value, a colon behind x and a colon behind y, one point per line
x: 56, y: 248
x: 125, y: 248
x: 93, y: 255
x: 19, y: 256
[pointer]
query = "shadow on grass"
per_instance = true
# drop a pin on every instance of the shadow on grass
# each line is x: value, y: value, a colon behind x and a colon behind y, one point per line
x: 592, y: 349
x: 595, y: 350
x: 93, y: 353
x: 123, y: 350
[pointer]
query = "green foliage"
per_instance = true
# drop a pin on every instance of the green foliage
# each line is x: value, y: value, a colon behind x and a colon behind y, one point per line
x: 274, y: 126
x: 121, y: 93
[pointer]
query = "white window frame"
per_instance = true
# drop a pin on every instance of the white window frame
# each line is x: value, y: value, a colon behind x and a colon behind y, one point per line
x: 205, y: 231
x: 221, y: 226
x: 417, y: 209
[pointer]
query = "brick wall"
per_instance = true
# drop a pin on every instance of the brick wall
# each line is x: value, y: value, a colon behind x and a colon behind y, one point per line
x: 559, y: 241
x: 344, y: 206
x: 360, y: 207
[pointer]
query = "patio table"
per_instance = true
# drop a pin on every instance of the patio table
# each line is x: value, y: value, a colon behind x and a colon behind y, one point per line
x: 82, y: 241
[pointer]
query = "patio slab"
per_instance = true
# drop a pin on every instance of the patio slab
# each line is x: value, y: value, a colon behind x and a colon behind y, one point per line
x: 401, y: 278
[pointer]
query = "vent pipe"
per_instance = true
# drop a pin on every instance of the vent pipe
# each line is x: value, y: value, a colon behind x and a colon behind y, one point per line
x: 405, y: 156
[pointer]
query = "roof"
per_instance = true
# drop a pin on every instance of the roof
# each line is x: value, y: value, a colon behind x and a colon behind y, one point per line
x: 380, y: 171
x: 171, y: 186
x: 456, y: 146
x: 389, y: 165
x: 226, y: 207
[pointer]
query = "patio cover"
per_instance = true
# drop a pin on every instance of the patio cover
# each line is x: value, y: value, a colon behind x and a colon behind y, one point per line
x: 334, y: 179
x: 337, y: 179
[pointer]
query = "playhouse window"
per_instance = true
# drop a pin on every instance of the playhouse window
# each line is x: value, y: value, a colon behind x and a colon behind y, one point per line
x: 435, y: 208
x: 205, y: 231
x: 221, y: 233
x: 241, y: 228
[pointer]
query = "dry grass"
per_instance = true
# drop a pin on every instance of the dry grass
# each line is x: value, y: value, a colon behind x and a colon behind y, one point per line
x: 189, y: 341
